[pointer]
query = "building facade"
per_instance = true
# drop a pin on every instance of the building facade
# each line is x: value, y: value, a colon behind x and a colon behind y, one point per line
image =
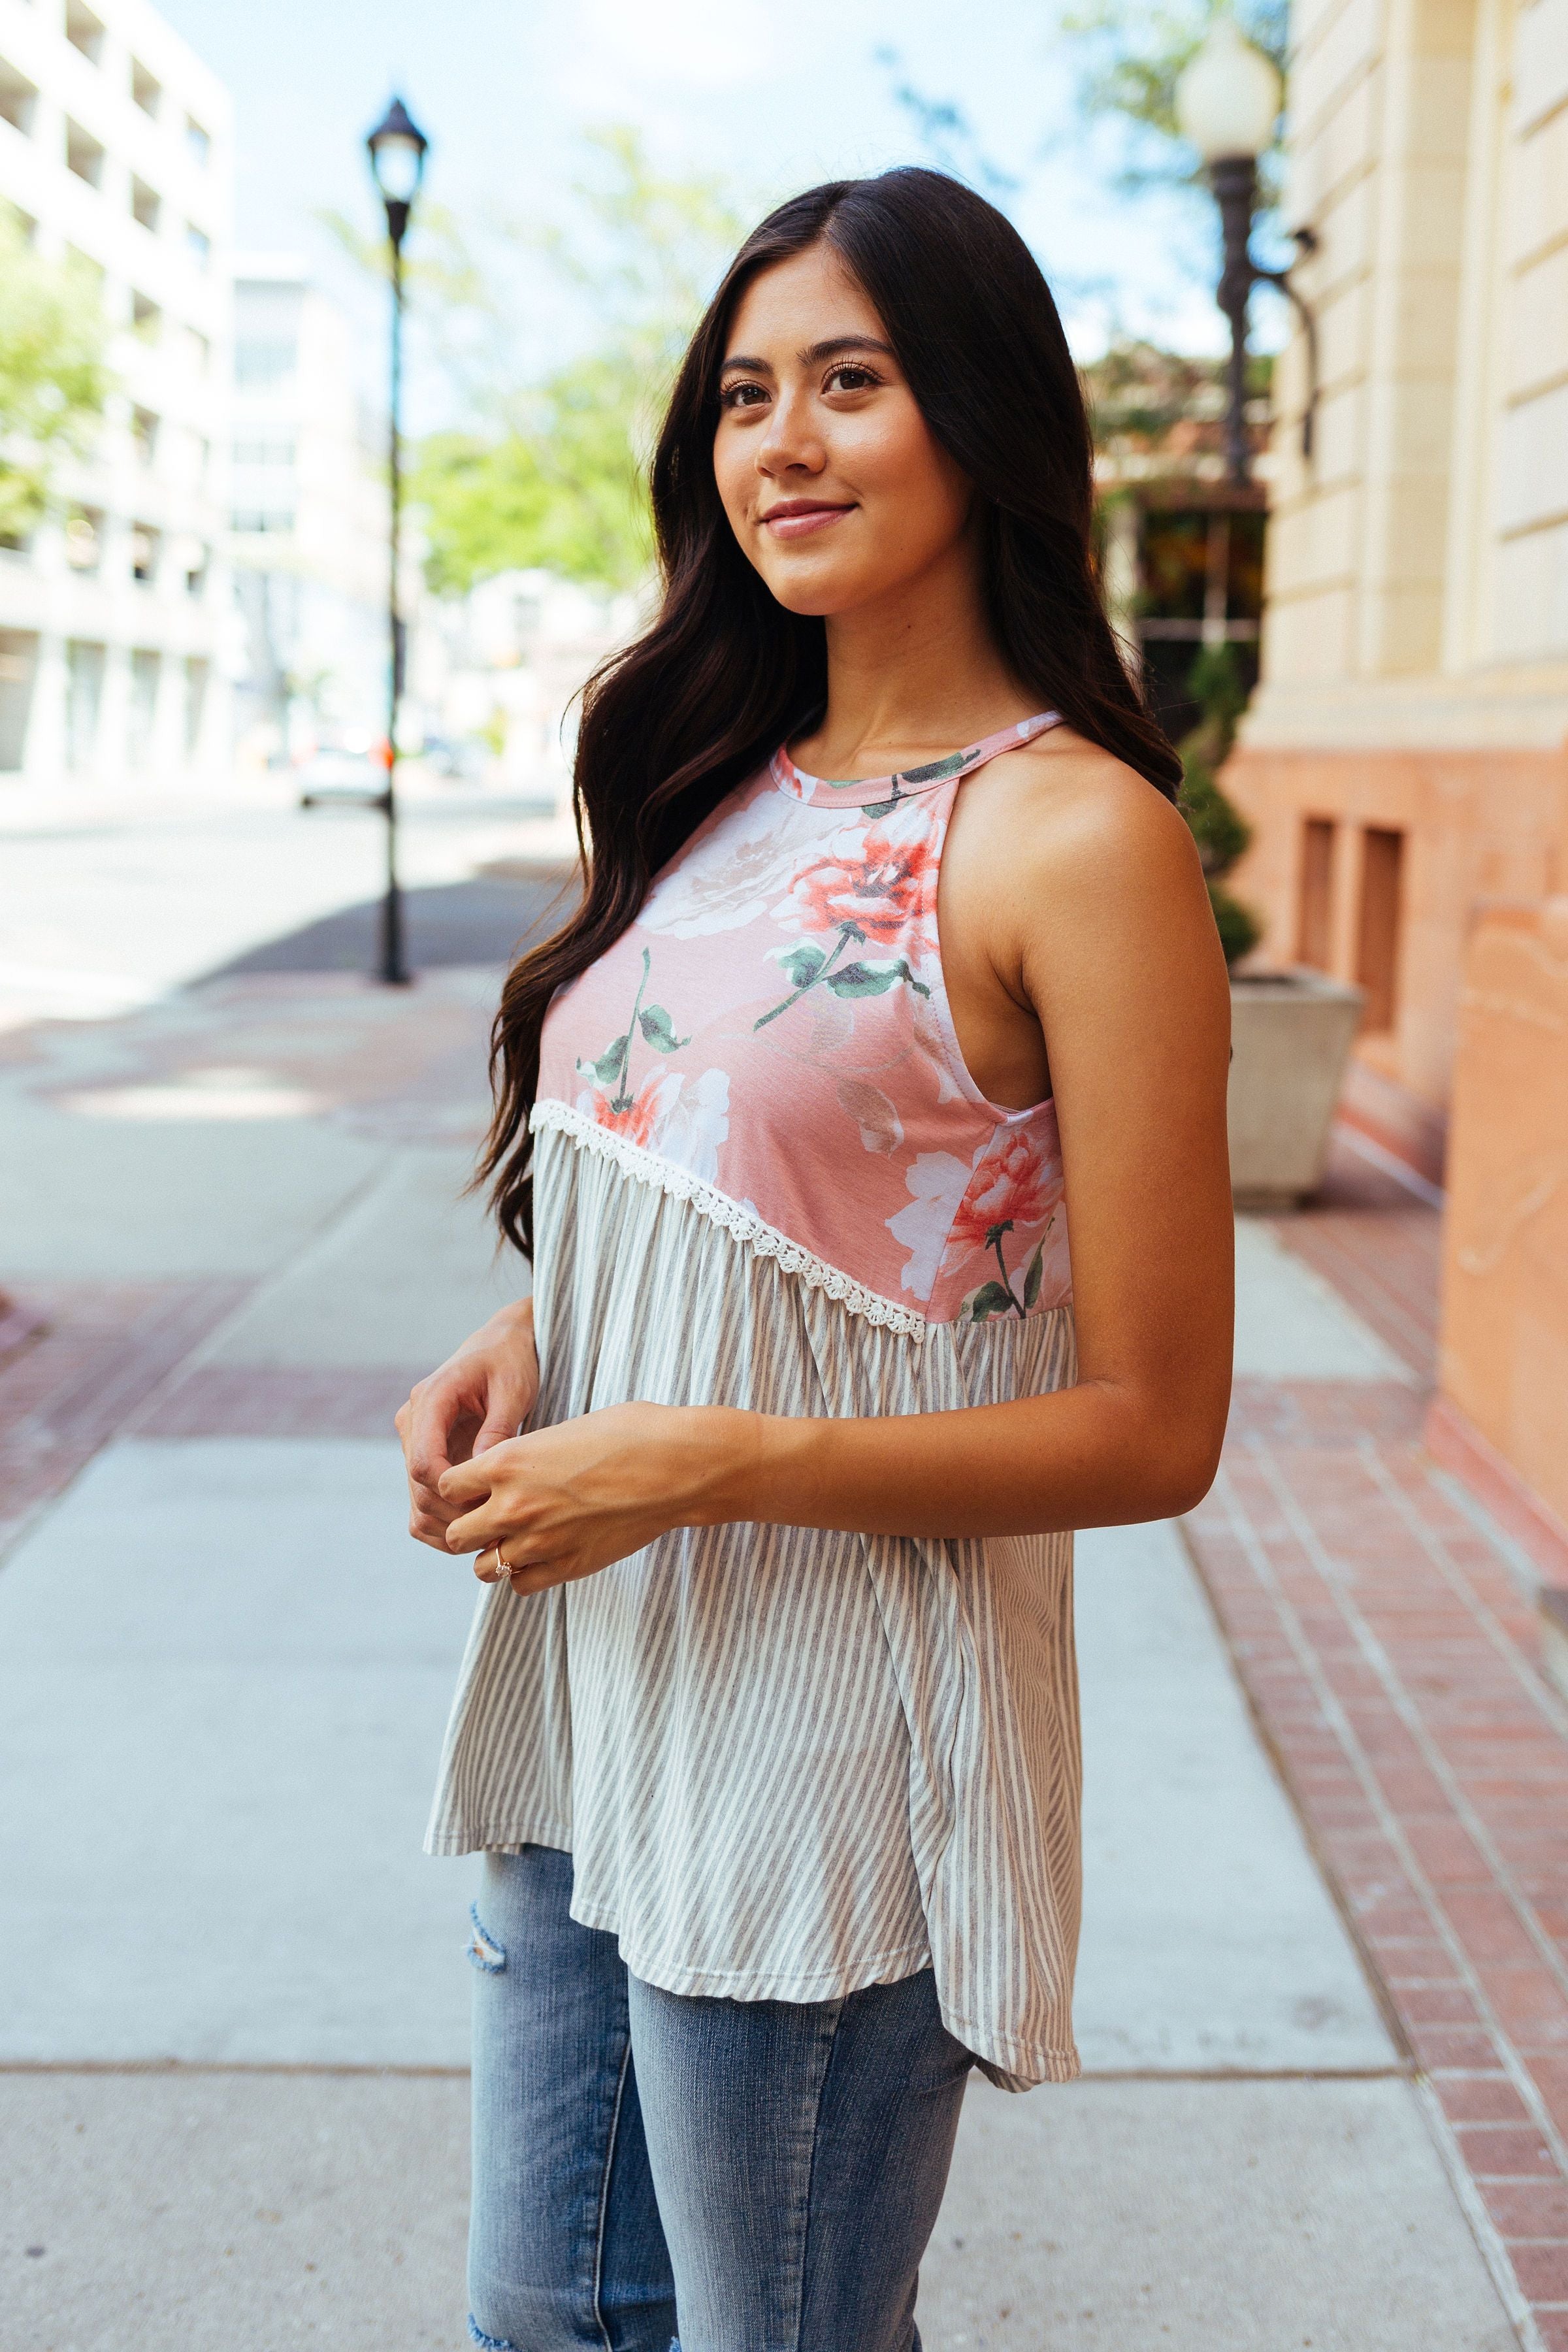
x: 115, y: 615
x: 308, y: 522
x: 1404, y: 761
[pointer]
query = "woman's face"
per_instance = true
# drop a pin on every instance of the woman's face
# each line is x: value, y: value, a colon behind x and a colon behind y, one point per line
x: 832, y: 480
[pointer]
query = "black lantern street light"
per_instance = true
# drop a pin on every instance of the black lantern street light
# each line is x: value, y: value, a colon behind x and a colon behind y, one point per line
x: 1228, y: 101
x: 397, y: 158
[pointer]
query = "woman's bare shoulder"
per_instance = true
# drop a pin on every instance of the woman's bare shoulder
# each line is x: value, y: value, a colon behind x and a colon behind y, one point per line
x: 1063, y: 813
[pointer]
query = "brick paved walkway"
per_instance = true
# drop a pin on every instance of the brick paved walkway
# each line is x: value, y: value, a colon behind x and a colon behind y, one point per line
x: 1386, y: 1636
x: 89, y: 1355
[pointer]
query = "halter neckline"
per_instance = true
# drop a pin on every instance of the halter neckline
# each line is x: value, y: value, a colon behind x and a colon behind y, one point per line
x: 880, y: 794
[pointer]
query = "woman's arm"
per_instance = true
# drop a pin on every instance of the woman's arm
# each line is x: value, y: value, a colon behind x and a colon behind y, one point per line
x: 1100, y: 922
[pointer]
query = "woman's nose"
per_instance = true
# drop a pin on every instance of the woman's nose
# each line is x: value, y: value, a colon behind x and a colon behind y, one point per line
x: 790, y: 441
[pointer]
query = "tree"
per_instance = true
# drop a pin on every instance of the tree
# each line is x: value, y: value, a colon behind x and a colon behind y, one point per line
x: 53, y: 379
x: 561, y: 488
x: 553, y: 473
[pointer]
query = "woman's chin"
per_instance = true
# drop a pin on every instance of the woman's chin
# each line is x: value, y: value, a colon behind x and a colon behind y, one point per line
x: 817, y: 595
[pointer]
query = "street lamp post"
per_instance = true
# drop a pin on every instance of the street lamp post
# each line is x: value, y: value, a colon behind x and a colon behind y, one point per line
x: 397, y: 159
x: 1227, y: 100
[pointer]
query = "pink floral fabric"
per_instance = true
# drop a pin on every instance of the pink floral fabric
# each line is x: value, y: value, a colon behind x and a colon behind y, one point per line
x: 774, y: 1027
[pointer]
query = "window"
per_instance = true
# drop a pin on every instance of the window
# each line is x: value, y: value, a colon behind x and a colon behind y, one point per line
x: 198, y: 245
x: 84, y: 156
x: 196, y: 569
x: 260, y: 364
x: 196, y: 142
x: 265, y: 449
x: 18, y: 667
x: 1315, y: 894
x: 84, y: 698
x: 146, y: 545
x: 145, y: 87
x: 18, y: 97
x: 84, y: 31
x: 143, y: 706
x: 145, y: 204
x: 1377, y: 940
x: 195, y: 702
x: 84, y: 539
x: 144, y: 434
x: 198, y: 351
x: 274, y: 520
x: 146, y: 319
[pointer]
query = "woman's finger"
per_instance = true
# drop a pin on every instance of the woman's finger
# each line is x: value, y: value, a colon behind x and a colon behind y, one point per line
x: 539, y: 1575
x: 466, y: 1482
x: 476, y: 1530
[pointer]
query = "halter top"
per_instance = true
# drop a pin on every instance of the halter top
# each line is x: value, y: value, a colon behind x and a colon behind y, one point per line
x: 789, y: 1762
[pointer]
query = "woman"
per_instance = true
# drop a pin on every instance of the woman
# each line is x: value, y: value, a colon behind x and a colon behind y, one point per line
x: 768, y: 1723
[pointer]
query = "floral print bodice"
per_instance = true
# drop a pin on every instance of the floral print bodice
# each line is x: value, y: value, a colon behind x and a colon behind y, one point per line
x: 771, y: 1040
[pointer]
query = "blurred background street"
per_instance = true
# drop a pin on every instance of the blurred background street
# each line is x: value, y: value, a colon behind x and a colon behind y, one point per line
x: 1323, y: 1999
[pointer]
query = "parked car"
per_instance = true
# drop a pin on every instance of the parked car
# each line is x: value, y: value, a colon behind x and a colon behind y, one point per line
x: 331, y: 774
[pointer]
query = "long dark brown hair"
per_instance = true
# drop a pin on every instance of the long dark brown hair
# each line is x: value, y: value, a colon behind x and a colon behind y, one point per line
x: 724, y: 675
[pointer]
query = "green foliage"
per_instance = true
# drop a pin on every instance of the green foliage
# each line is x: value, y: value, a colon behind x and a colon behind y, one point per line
x: 560, y: 488
x: 1221, y: 832
x: 1238, y: 928
x: 1215, y: 683
x: 552, y: 473
x: 53, y: 379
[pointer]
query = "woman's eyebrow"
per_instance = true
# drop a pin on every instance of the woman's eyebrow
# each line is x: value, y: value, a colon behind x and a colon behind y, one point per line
x: 816, y: 353
x: 813, y: 354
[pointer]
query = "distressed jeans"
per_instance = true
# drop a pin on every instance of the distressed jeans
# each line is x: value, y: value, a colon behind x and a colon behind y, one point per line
x: 753, y: 2176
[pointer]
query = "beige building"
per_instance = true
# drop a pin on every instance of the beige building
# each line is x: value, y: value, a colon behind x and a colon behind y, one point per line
x: 1405, y: 759
x: 116, y: 149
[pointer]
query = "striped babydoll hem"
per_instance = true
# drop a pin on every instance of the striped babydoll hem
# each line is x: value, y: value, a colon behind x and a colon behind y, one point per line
x: 507, y: 1837
x: 745, y: 1226
x: 836, y: 1983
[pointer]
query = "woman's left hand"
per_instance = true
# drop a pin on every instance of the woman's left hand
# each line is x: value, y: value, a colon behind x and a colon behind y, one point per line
x: 563, y: 1502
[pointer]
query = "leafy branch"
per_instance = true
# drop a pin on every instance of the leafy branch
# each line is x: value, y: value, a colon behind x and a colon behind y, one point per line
x: 54, y: 379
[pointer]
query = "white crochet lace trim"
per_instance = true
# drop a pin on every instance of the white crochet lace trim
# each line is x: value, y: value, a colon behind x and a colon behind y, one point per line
x: 646, y: 1168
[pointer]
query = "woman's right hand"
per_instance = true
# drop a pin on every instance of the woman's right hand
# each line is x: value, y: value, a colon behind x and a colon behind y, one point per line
x: 481, y: 1394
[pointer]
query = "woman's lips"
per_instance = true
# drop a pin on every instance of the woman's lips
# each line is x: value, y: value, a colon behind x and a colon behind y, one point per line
x: 796, y: 521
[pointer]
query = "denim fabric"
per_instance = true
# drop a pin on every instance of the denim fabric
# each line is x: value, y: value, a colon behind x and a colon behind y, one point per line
x: 770, y: 2169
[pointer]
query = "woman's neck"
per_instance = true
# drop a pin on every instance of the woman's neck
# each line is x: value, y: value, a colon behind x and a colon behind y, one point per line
x: 912, y: 676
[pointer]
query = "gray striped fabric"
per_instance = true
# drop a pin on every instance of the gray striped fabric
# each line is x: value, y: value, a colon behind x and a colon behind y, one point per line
x: 786, y: 1763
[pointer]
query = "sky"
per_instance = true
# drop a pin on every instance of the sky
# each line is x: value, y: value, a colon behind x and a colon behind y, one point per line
x: 773, y: 95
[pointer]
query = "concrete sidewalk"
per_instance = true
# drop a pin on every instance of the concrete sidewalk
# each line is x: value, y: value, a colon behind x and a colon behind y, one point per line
x: 233, y: 1995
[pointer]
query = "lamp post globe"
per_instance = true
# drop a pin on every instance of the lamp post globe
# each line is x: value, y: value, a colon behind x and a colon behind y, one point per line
x: 397, y: 148
x: 1228, y: 96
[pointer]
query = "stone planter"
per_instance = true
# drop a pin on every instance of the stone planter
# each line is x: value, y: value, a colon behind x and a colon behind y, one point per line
x: 1290, y: 1038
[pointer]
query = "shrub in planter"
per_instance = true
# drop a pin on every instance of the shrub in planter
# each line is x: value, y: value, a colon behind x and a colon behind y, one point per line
x: 1218, y: 828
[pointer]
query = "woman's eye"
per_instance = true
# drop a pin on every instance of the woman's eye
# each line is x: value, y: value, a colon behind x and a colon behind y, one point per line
x: 851, y: 377
x: 742, y: 395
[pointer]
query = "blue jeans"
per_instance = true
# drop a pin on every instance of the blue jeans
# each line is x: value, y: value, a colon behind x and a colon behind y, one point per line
x: 771, y: 2170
